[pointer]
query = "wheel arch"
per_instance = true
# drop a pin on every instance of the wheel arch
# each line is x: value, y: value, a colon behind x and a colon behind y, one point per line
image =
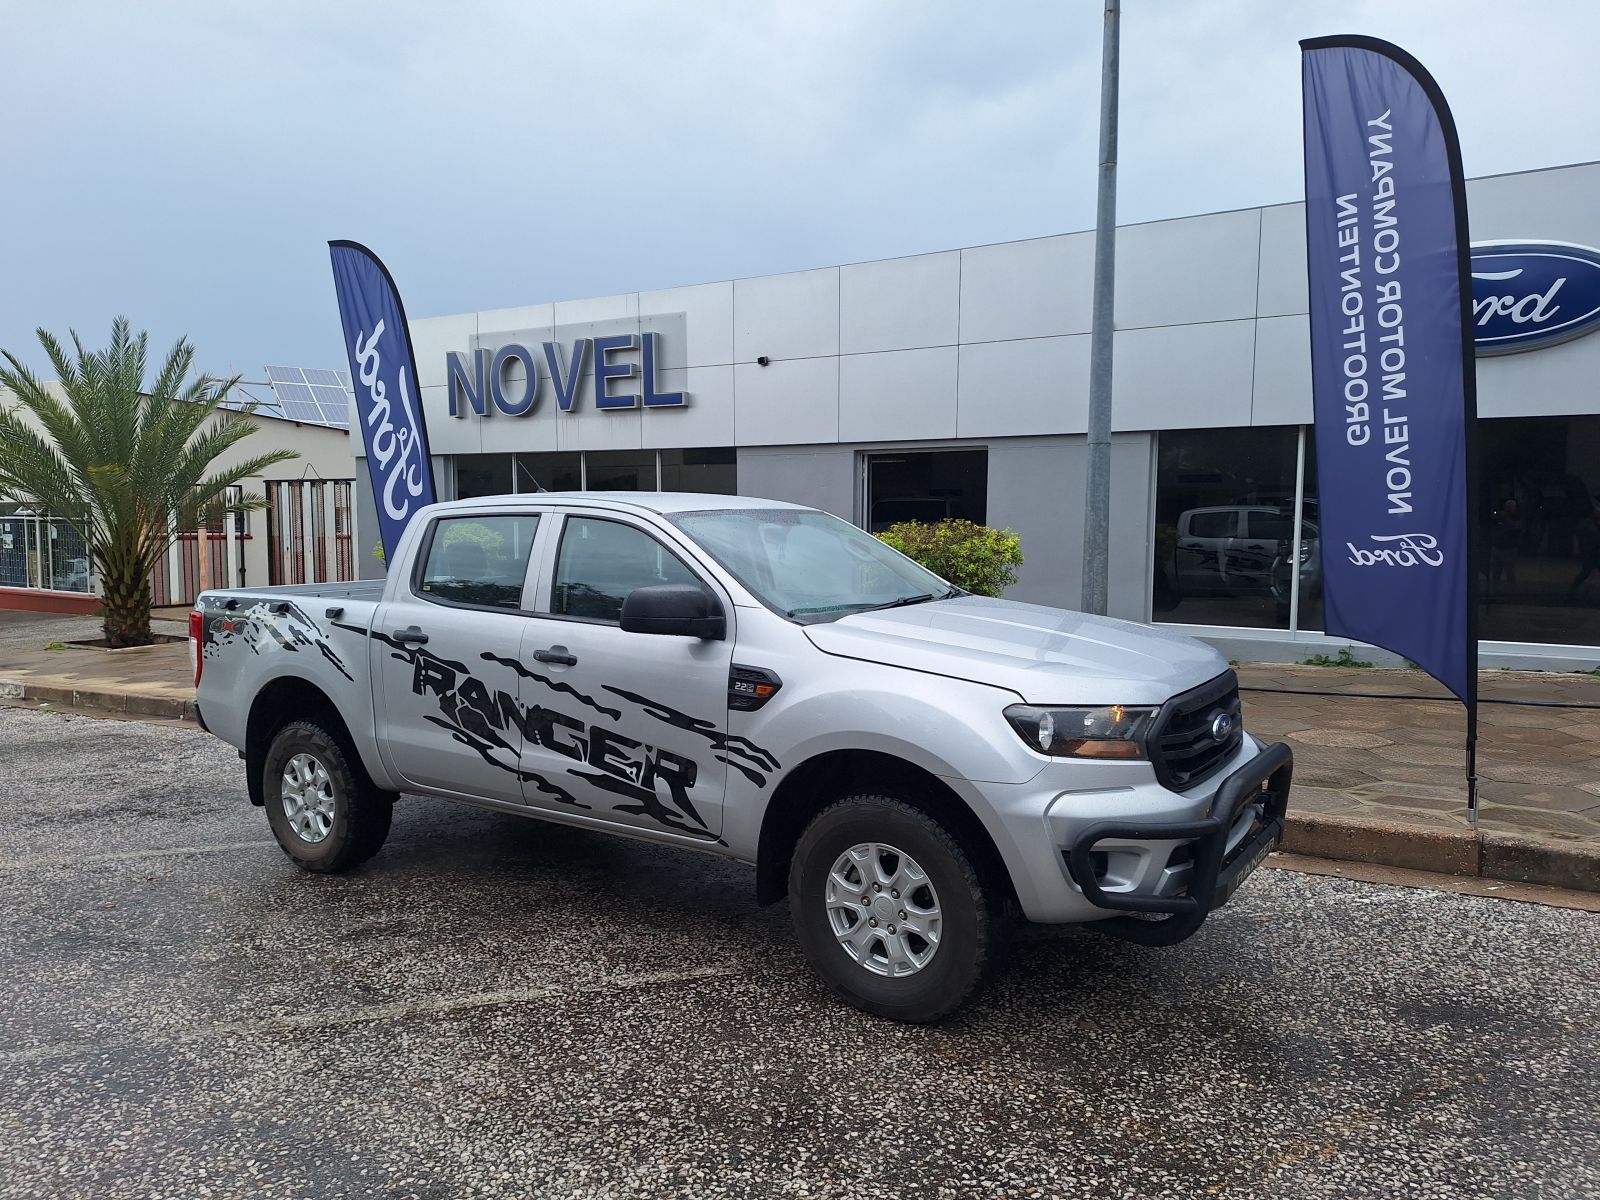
x: 286, y: 699
x: 830, y: 776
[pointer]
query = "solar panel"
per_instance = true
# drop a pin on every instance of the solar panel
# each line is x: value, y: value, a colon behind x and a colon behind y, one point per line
x: 297, y: 411
x: 312, y: 395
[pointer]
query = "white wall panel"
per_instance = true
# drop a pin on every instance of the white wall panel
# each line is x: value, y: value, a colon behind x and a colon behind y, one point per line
x: 787, y: 402
x: 447, y: 434
x: 495, y: 324
x: 897, y: 395
x: 900, y: 303
x: 707, y: 420
x: 707, y: 310
x: 1012, y: 388
x: 1283, y: 289
x: 786, y: 316
x: 591, y: 430
x: 1282, y: 393
x: 1557, y: 205
x: 433, y: 337
x: 1037, y: 288
x: 1560, y: 380
x: 1194, y: 269
x: 1183, y: 376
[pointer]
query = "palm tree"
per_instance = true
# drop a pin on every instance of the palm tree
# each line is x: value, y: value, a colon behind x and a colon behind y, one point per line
x: 130, y: 465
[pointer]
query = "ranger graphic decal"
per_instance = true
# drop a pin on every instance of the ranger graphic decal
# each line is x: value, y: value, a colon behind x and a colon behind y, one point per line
x: 284, y: 623
x: 738, y: 752
x: 479, y: 716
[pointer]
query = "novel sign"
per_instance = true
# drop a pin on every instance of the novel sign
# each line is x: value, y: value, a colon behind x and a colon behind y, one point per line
x: 1526, y: 295
x: 616, y: 373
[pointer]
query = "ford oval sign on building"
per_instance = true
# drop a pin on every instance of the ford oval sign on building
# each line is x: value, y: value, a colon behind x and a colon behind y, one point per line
x: 1526, y: 295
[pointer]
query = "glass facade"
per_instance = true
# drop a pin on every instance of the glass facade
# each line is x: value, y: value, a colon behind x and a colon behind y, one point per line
x: 483, y: 475
x: 928, y: 486
x: 709, y: 469
x: 1225, y: 518
x: 556, y: 471
x: 712, y: 470
x: 1225, y: 527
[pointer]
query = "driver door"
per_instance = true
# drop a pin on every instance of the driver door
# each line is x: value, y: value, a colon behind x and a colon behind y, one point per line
x: 632, y: 727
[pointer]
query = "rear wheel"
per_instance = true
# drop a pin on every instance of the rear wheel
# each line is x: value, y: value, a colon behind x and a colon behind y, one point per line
x: 891, y: 912
x: 323, y: 811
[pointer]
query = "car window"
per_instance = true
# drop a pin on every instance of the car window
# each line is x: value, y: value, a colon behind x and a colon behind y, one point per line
x: 1212, y: 524
x: 601, y: 561
x: 479, y: 560
x: 1271, y: 526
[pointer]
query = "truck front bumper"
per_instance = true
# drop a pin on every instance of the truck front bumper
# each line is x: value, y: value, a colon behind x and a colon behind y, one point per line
x: 1223, y: 848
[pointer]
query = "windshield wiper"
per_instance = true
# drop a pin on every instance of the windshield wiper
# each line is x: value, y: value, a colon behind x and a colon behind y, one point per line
x: 905, y: 600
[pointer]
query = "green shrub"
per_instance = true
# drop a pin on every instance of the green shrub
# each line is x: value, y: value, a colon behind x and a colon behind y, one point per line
x: 973, y: 557
x: 1345, y: 659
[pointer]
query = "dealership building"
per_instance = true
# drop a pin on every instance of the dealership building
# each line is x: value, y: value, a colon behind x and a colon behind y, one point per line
x: 956, y: 384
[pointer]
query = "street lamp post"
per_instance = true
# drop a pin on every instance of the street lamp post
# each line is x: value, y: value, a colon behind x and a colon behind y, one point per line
x: 1097, y: 495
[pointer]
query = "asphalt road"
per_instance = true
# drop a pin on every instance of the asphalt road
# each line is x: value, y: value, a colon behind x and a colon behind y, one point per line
x: 495, y: 1007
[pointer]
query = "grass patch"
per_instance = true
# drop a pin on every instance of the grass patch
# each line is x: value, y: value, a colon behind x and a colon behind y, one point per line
x: 1343, y: 659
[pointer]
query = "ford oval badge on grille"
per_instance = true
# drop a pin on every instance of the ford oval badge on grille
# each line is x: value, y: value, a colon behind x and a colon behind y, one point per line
x: 1221, y: 726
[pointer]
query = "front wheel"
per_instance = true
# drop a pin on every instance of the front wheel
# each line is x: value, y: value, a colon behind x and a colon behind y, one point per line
x: 324, y: 813
x: 891, y: 912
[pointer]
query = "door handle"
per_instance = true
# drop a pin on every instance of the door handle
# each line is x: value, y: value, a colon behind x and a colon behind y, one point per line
x: 558, y: 655
x: 410, y: 634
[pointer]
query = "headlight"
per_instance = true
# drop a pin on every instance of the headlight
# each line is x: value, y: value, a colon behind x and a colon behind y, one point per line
x: 1111, y: 732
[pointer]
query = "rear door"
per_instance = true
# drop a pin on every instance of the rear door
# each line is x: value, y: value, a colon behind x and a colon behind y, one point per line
x: 447, y: 672
x: 631, y: 726
x: 1205, y: 541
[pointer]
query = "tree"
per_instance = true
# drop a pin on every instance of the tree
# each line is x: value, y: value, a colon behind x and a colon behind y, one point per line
x: 129, y: 465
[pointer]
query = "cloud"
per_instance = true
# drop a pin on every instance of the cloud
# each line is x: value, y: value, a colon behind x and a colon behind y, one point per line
x: 185, y: 163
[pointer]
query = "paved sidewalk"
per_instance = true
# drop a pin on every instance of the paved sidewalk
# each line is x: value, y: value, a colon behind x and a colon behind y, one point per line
x: 1397, y: 760
x: 1402, y: 760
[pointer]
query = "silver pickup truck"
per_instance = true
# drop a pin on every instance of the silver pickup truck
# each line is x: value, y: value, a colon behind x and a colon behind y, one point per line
x: 910, y: 764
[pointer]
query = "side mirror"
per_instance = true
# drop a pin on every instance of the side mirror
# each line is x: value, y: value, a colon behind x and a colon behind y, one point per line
x: 680, y: 609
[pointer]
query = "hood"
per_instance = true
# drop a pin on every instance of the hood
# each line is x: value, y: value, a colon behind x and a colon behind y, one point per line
x: 1045, y: 655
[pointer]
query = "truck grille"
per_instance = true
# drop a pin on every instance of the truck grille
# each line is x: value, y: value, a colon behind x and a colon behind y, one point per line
x: 1184, y: 748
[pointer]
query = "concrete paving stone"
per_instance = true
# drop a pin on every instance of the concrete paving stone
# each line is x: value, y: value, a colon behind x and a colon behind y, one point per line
x: 1431, y: 756
x: 1525, y: 772
x: 1554, y: 798
x: 1309, y: 798
x: 1539, y: 820
x: 1518, y: 736
x: 1527, y: 718
x: 1343, y: 738
x: 1404, y: 811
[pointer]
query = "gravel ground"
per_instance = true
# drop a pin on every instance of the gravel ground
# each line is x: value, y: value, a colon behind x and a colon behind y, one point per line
x: 496, y: 1007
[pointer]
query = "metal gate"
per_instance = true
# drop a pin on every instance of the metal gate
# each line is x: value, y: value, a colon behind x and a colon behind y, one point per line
x: 309, y: 531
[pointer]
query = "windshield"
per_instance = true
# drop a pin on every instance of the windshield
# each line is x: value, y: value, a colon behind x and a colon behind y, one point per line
x: 808, y: 565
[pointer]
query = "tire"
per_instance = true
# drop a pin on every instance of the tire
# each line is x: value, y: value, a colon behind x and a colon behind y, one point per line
x: 864, y: 964
x: 339, y: 818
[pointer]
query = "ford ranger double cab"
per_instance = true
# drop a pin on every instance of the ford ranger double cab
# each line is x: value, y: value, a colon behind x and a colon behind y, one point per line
x: 909, y: 764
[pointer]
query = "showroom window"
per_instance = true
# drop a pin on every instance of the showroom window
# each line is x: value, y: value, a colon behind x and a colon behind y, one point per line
x: 1224, y: 526
x: 483, y: 475
x: 1225, y: 529
x: 700, y: 469
x: 926, y: 486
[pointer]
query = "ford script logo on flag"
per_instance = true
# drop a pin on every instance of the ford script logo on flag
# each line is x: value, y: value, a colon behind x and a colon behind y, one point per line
x: 1531, y: 294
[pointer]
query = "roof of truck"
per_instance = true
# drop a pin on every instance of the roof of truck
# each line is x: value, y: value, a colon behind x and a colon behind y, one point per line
x: 658, y: 502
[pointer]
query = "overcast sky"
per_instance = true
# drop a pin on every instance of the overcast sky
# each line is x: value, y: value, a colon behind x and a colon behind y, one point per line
x: 185, y: 164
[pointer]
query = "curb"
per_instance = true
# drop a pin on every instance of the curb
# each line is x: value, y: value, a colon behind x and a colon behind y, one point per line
x: 1482, y: 854
x: 169, y: 708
